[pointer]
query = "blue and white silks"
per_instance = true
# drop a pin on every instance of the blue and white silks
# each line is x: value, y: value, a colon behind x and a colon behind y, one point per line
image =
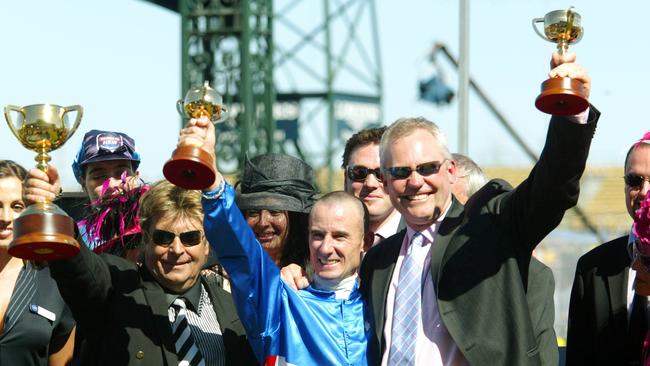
x: 284, y: 326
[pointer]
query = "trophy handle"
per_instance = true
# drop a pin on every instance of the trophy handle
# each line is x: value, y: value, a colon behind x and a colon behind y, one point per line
x: 8, y: 109
x: 571, y: 15
x: 223, y: 116
x: 180, y: 109
x: 80, y: 112
x: 535, y: 21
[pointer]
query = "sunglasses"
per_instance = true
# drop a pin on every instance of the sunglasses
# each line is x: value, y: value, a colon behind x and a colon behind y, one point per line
x: 634, y: 180
x: 359, y: 173
x: 425, y: 169
x: 188, y: 238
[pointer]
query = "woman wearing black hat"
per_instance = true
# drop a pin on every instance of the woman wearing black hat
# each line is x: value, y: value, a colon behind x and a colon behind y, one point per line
x: 276, y: 195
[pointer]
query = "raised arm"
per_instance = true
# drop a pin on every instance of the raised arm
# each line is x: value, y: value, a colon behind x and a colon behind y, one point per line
x: 538, y: 204
x: 84, y: 280
x: 255, y: 279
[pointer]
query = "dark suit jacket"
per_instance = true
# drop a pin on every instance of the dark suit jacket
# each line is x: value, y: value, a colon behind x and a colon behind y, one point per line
x: 477, y: 260
x: 123, y: 313
x: 598, y: 324
x: 539, y: 295
x: 537, y: 279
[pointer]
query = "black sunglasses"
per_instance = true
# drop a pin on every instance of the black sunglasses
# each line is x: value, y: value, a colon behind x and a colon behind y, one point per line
x: 425, y: 169
x: 359, y: 173
x: 635, y: 180
x: 188, y: 238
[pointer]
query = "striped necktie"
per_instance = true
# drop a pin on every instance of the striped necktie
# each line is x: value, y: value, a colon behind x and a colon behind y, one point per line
x: 406, y: 313
x: 187, y: 351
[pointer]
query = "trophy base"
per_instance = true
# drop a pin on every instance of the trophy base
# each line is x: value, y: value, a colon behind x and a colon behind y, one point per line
x: 190, y: 167
x: 562, y: 97
x: 44, y: 236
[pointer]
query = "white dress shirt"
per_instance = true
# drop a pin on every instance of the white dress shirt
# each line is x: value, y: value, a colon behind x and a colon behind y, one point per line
x: 388, y: 228
x: 434, y: 345
x: 630, y: 281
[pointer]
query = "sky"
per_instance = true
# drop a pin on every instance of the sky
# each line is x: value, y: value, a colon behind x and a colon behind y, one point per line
x: 120, y: 60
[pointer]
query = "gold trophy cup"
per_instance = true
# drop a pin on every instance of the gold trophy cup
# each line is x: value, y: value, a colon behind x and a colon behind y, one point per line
x: 43, y: 231
x: 191, y: 167
x: 561, y: 96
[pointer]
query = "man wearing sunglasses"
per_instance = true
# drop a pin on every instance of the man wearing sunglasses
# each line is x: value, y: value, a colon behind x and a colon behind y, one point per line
x: 448, y: 290
x: 162, y: 312
x: 363, y: 179
x: 607, y: 318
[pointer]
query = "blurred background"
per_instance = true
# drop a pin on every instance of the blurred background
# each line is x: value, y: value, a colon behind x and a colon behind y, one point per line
x: 300, y: 76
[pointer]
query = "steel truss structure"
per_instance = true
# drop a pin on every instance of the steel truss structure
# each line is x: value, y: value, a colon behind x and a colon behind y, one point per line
x: 299, y: 75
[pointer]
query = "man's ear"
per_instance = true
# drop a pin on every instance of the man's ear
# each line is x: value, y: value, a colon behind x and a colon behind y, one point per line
x: 451, y: 171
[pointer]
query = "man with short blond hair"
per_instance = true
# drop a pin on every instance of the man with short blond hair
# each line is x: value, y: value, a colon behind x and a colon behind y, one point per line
x: 449, y: 289
x: 159, y: 312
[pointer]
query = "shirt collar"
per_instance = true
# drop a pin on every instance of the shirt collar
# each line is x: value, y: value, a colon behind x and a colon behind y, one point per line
x: 430, y: 232
x: 192, y: 296
x: 389, y: 227
x: 340, y: 288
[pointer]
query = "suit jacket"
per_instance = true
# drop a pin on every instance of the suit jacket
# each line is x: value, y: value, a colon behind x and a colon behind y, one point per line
x: 537, y: 279
x: 598, y: 326
x: 539, y: 295
x: 123, y: 313
x: 477, y: 260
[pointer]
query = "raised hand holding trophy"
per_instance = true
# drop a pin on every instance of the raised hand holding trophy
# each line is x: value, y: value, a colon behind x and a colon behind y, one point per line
x: 561, y: 95
x: 43, y: 231
x: 191, y: 167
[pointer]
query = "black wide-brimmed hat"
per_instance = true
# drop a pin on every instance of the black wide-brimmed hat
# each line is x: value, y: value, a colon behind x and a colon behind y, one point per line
x: 276, y: 182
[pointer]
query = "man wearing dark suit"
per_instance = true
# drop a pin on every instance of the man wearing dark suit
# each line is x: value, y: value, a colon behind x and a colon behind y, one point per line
x: 601, y: 330
x: 471, y: 305
x: 128, y: 311
x: 538, y: 281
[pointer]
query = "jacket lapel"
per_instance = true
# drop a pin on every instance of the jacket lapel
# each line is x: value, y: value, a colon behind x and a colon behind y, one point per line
x: 443, y: 247
x: 382, y: 277
x: 155, y: 297
x: 617, y: 283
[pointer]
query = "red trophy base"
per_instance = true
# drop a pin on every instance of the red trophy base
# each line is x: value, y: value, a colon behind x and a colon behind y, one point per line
x: 190, y: 167
x: 44, y: 237
x: 562, y: 97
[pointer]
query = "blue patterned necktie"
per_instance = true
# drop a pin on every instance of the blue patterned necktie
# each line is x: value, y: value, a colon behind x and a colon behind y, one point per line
x: 187, y: 351
x: 406, y: 313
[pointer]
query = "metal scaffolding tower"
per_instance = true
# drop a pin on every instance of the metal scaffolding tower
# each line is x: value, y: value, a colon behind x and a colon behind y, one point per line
x: 328, y: 63
x: 229, y: 43
x: 298, y: 75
